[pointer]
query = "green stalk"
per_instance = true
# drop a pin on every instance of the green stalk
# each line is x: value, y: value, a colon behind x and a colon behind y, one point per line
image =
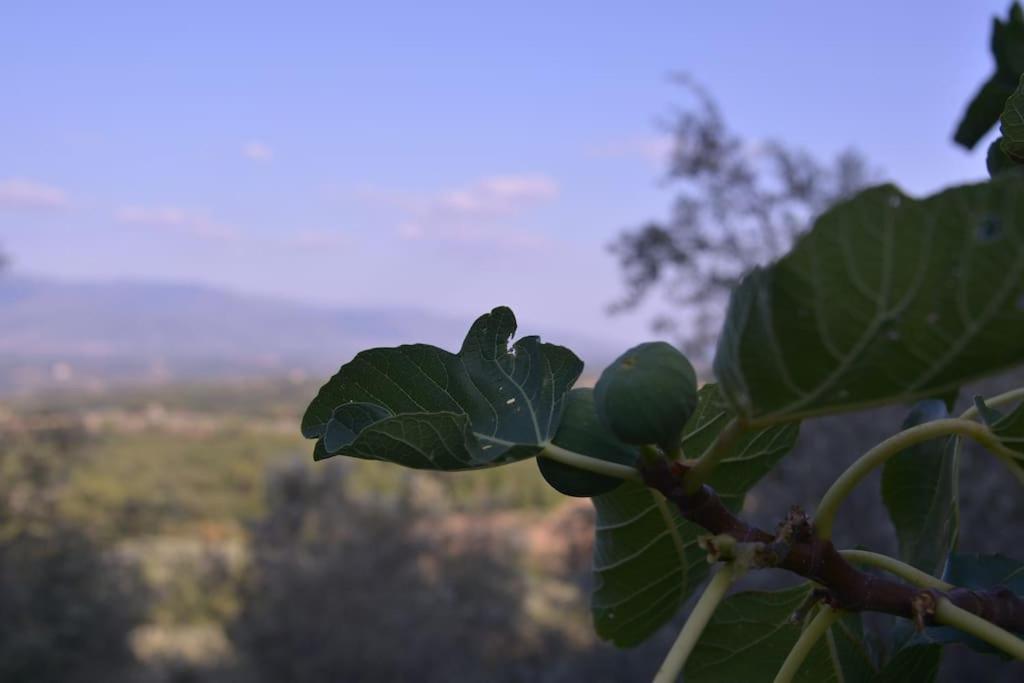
x: 949, y: 614
x: 805, y: 643
x: 719, y: 448
x: 892, y: 446
x: 893, y: 566
x: 696, y: 623
x: 945, y: 611
x: 585, y: 462
x: 994, y: 402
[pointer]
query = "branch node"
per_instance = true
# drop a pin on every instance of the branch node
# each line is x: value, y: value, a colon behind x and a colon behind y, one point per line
x: 923, y: 606
x: 796, y: 527
x: 719, y: 547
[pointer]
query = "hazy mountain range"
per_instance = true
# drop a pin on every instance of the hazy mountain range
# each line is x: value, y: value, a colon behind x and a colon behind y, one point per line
x: 95, y: 333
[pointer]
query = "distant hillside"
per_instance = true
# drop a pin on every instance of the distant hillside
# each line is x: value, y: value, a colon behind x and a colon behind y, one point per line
x: 94, y: 333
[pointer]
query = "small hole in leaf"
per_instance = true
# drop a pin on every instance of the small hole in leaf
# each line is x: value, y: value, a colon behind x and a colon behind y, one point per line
x: 989, y: 230
x: 890, y: 329
x: 510, y: 401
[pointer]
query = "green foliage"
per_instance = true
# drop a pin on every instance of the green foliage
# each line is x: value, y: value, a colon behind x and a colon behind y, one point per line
x: 751, y: 634
x: 331, y: 581
x: 1008, y: 50
x: 647, y: 394
x: 997, y: 162
x: 582, y: 432
x: 1012, y: 125
x: 423, y: 407
x: 212, y: 476
x: 646, y: 558
x: 1009, y: 429
x: 67, y: 606
x: 646, y: 563
x: 746, y: 459
x: 887, y: 299
x: 919, y: 489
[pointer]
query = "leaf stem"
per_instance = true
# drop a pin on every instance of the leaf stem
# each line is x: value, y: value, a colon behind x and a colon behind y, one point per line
x: 945, y: 611
x: 701, y: 470
x: 696, y: 622
x: 951, y: 615
x: 994, y: 402
x: 585, y: 462
x: 892, y: 446
x: 806, y: 642
x: 893, y: 566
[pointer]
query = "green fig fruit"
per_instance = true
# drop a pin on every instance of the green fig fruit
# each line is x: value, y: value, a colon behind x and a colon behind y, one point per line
x: 647, y: 395
x: 582, y: 432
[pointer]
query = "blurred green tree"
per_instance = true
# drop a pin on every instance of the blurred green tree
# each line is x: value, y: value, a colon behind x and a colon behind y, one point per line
x: 67, y: 606
x: 739, y: 204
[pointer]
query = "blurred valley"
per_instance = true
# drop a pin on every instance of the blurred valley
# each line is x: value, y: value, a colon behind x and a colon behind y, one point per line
x: 178, y: 531
x: 92, y: 335
x: 161, y: 519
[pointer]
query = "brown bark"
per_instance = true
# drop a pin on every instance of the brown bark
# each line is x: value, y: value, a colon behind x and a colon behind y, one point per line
x: 797, y: 548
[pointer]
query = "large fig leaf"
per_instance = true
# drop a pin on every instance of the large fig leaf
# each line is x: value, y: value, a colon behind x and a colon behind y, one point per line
x: 1012, y: 125
x: 997, y: 162
x: 919, y: 487
x: 1008, y: 428
x: 1008, y: 50
x: 646, y: 563
x: 886, y: 299
x: 751, y: 633
x: 646, y: 559
x: 423, y: 407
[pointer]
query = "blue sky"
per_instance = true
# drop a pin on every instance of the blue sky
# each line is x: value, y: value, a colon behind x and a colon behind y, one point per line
x: 453, y: 156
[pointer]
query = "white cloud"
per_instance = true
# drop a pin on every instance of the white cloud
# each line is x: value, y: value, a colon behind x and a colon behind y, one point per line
x: 476, y: 212
x: 254, y: 150
x: 497, y: 195
x: 18, y: 193
x: 176, y: 219
x: 652, y: 148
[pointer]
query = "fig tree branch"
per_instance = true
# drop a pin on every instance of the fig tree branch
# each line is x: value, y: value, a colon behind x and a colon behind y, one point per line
x: 797, y: 548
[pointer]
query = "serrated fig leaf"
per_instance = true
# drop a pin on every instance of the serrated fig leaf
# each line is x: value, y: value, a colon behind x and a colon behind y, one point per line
x: 646, y: 563
x: 646, y: 558
x: 582, y: 432
x: 887, y: 299
x: 1009, y: 429
x: 751, y: 633
x: 1007, y: 44
x: 1012, y: 125
x: 423, y: 407
x: 998, y: 163
x: 983, y: 112
x: 920, y: 492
